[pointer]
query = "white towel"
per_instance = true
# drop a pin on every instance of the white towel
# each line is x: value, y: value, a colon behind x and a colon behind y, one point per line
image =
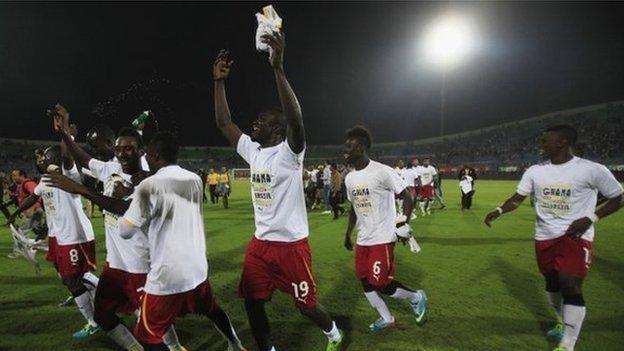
x: 269, y: 22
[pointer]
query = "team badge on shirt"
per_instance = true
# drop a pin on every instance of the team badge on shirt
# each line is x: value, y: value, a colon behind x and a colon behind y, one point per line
x: 555, y: 199
x: 261, y: 188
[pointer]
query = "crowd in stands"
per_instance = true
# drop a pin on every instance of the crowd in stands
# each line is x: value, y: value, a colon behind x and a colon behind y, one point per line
x: 509, y: 146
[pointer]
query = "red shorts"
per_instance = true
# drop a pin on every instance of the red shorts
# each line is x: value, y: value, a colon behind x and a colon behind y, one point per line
x: 118, y: 291
x: 52, y: 244
x: 271, y: 265
x: 566, y: 255
x: 375, y: 264
x: 426, y: 192
x: 159, y: 312
x: 75, y: 259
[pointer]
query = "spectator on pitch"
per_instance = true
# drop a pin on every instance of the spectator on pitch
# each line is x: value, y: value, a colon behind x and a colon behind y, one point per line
x: 202, y: 176
x: 24, y: 188
x: 224, y: 187
x: 213, y: 180
x: 320, y: 192
x: 327, y: 187
x: 465, y: 186
x: 437, y: 183
x: 336, y: 191
x: 469, y: 171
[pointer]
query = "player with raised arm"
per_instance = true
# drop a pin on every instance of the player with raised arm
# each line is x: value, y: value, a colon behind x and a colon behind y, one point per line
x: 74, y: 250
x: 371, y: 188
x: 127, y: 261
x: 168, y: 205
x: 565, y: 189
x: 278, y: 257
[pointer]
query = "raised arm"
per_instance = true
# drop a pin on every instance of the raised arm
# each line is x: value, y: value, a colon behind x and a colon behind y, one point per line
x: 509, y: 205
x: 220, y: 72
x: 348, y: 243
x: 408, y: 204
x: 295, y: 133
x: 111, y: 204
x: 61, y: 125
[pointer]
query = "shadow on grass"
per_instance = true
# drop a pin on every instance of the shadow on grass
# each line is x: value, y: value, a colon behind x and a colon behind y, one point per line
x: 520, y: 285
x: 609, y: 270
x: 460, y: 241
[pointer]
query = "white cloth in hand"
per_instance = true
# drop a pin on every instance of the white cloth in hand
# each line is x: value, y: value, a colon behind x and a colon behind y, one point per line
x: 269, y: 22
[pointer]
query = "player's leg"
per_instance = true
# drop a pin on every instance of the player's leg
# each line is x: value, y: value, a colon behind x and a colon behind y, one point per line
x: 256, y: 287
x: 156, y: 319
x: 438, y: 195
x: 381, y: 277
x: 553, y: 294
x: 84, y: 301
x: 470, y: 195
x: 294, y: 264
x: 259, y: 323
x: 572, y: 263
x: 364, y: 270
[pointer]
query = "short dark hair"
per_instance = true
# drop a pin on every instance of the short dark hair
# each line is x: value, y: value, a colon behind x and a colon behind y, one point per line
x: 131, y: 133
x: 565, y: 131
x: 167, y: 145
x: 361, y: 134
x: 22, y: 172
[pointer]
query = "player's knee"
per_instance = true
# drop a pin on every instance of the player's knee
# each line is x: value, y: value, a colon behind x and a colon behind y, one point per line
x: 389, y: 288
x: 367, y: 286
x: 107, y: 320
x: 75, y: 285
x: 552, y: 282
x: 573, y: 299
x: 570, y: 285
x: 308, y: 311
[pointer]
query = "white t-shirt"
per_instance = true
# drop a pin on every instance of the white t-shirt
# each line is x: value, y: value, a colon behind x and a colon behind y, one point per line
x: 64, y: 214
x: 466, y: 184
x: 276, y: 190
x: 129, y: 255
x: 169, y: 203
x: 409, y: 176
x: 426, y: 174
x: 371, y: 191
x: 565, y: 193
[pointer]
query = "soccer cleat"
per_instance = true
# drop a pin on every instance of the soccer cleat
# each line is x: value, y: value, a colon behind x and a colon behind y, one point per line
x: 335, y: 345
x: 86, y: 331
x: 380, y: 325
x: 420, y: 308
x: 69, y: 301
x: 556, y: 333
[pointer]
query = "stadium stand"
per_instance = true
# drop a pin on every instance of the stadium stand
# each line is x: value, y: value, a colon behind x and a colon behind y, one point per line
x: 505, y: 149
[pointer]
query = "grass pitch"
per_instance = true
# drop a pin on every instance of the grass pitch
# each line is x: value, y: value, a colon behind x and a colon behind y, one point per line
x: 485, y: 292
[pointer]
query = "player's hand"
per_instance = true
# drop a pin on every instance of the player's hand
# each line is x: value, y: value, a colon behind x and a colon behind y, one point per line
x: 60, y: 116
x: 59, y: 181
x: 138, y: 177
x: 348, y: 244
x: 490, y: 217
x: 222, y: 65
x: 277, y: 43
x: 121, y: 191
x: 579, y: 227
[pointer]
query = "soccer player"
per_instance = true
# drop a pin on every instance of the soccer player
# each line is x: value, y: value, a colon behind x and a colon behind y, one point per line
x: 410, y: 176
x: 127, y: 261
x: 224, y: 186
x: 437, y: 183
x: 278, y: 256
x: 565, y: 189
x: 426, y: 173
x: 169, y: 205
x: 73, y: 249
x: 371, y: 188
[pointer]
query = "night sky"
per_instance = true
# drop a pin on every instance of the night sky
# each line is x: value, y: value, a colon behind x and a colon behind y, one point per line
x: 348, y: 63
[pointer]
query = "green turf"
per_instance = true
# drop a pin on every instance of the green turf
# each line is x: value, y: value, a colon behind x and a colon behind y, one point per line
x: 484, y: 289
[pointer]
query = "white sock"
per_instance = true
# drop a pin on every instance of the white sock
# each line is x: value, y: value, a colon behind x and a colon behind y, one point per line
x: 572, y: 320
x: 403, y: 294
x: 85, y: 306
x: 91, y: 282
x: 422, y: 206
x: 555, y: 299
x: 171, y: 340
x: 334, y: 333
x: 379, y: 304
x: 124, y: 338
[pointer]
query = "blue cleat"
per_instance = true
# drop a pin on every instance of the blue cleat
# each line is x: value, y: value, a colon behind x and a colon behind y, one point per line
x: 380, y: 325
x: 555, y: 334
x: 86, y: 331
x: 420, y: 308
